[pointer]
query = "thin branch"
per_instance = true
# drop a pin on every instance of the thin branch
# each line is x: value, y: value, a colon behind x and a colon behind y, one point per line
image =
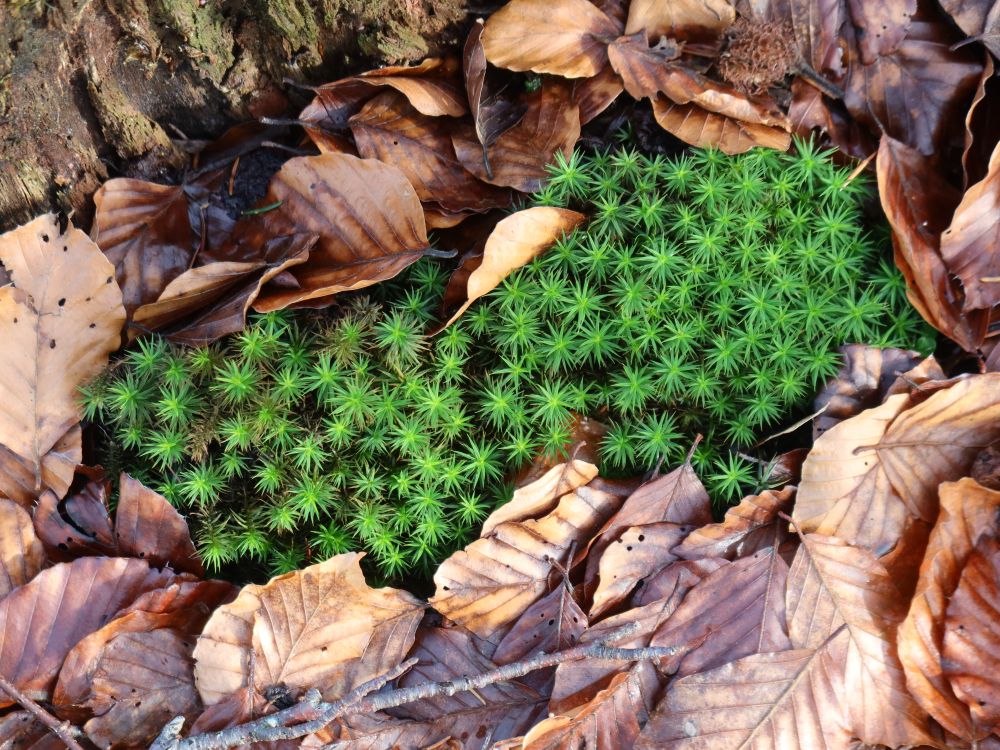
x: 61, y: 729
x: 289, y: 724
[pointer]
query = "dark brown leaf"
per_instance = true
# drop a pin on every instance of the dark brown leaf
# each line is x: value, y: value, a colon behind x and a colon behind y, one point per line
x: 594, y: 95
x: 493, y: 104
x: 675, y: 580
x: 982, y: 125
x: 881, y: 27
x: 78, y: 525
x: 149, y: 527
x: 977, y: 18
x: 643, y: 69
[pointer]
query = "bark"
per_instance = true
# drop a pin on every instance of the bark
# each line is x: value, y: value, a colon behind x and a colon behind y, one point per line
x: 96, y: 88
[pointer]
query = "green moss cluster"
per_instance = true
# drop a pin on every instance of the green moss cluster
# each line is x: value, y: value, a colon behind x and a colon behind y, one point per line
x: 707, y: 294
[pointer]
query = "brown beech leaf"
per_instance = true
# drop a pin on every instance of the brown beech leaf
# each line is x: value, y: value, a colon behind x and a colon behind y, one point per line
x: 919, y: 205
x: 868, y: 374
x: 639, y: 551
x: 643, y: 69
x: 675, y: 579
x: 21, y: 554
x: 594, y: 95
x: 515, y: 241
x: 21, y: 730
x: 679, y: 19
x: 488, y: 585
x: 868, y: 475
x: 701, y: 127
x: 78, y: 525
x: 980, y: 19
x: 969, y: 657
x: 367, y: 215
x: 390, y: 129
x: 224, y: 650
x: 542, y: 495
x: 568, y: 38
x: 968, y: 511
x: 18, y: 475
x: 736, y: 611
x: 982, y: 125
x: 791, y: 700
x: 149, y: 527
x: 60, y: 321
x: 832, y: 584
x: 145, y: 231
x: 612, y: 720
x: 881, y: 26
x: 211, y: 301
x: 745, y: 529
x: 519, y: 157
x: 63, y: 604
x: 492, y: 111
x: 970, y: 246
x: 142, y: 681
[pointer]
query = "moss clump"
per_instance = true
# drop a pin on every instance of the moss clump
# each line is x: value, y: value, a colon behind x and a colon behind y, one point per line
x: 708, y: 294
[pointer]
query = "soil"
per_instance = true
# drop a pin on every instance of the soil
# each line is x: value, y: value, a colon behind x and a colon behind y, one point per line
x: 91, y: 89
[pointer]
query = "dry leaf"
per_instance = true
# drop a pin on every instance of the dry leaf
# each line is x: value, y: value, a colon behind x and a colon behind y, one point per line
x: 542, y: 495
x: 63, y: 604
x: 639, y: 552
x: 968, y: 511
x: 145, y: 231
x: 881, y: 26
x: 969, y: 655
x: 746, y: 528
x: 568, y: 38
x: 674, y: 580
x: 492, y: 112
x: 981, y: 126
x: 224, y: 650
x: 515, y: 241
x: 487, y: 586
x: 21, y: 554
x: 643, y: 69
x: 60, y: 321
x: 366, y: 213
x: 519, y: 157
x: 703, y: 128
x: 867, y: 476
x: 594, y: 95
x: 149, y: 527
x: 388, y: 128
x: 970, y: 246
x: 832, y: 584
x: 18, y: 475
x: 977, y: 19
x: 78, y: 525
x: 679, y: 19
x: 790, y: 700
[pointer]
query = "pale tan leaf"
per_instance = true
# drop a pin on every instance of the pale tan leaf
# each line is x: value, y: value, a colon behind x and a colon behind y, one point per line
x: 745, y: 528
x: 516, y: 240
x: 702, y: 128
x: 541, y: 496
x: 968, y: 511
x: 225, y: 647
x: 679, y: 19
x: 60, y: 321
x: 832, y: 584
x: 568, y: 38
x: 790, y: 700
x: 487, y: 586
x: 21, y: 554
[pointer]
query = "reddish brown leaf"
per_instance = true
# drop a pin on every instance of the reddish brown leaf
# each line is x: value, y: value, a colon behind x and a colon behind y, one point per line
x: 76, y: 526
x: 594, y: 95
x: 64, y: 604
x: 982, y: 125
x: 832, y: 584
x: 60, y: 321
x: 970, y: 246
x: 969, y: 655
x: 745, y: 529
x: 679, y: 19
x: 390, y: 129
x: 368, y: 217
x: 149, y: 527
x: 568, y: 38
x: 494, y: 110
x: 639, y: 551
x: 18, y: 474
x: 968, y: 511
x: 144, y: 230
x: 791, y: 700
x: 700, y: 127
x: 881, y: 26
x: 519, y: 157
x: 21, y: 554
x: 675, y: 580
x: 143, y: 680
x: 643, y: 69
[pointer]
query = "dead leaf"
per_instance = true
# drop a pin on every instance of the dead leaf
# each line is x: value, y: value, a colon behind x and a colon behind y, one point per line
x: 388, y: 128
x: 594, y: 95
x: 968, y: 511
x: 982, y: 126
x: 791, y: 700
x: 60, y: 321
x: 643, y: 69
x: 494, y: 110
x: 142, y: 681
x: 675, y: 580
x: 487, y: 586
x: 78, y: 525
x: 368, y: 217
x: 223, y: 654
x: 986, y: 467
x: 830, y: 584
x: 970, y: 246
x: 679, y: 19
x: 867, y: 476
x: 868, y: 374
x: 745, y: 529
x: 149, y: 527
x: 21, y: 554
x: 639, y: 552
x: 969, y: 656
x: 700, y: 127
x: 977, y: 19
x: 881, y: 26
x: 17, y: 477
x: 515, y: 241
x: 567, y: 38
x: 542, y: 495
x: 144, y: 230
x: 63, y: 604
x: 519, y: 157
x: 611, y: 721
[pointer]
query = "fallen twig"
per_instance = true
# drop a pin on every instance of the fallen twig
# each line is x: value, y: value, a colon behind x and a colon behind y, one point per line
x: 61, y: 729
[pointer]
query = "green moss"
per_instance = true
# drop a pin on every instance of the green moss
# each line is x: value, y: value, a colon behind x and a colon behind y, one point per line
x: 202, y: 28
x: 707, y: 295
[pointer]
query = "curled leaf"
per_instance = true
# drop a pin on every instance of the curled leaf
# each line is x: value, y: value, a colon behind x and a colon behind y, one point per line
x: 21, y: 554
